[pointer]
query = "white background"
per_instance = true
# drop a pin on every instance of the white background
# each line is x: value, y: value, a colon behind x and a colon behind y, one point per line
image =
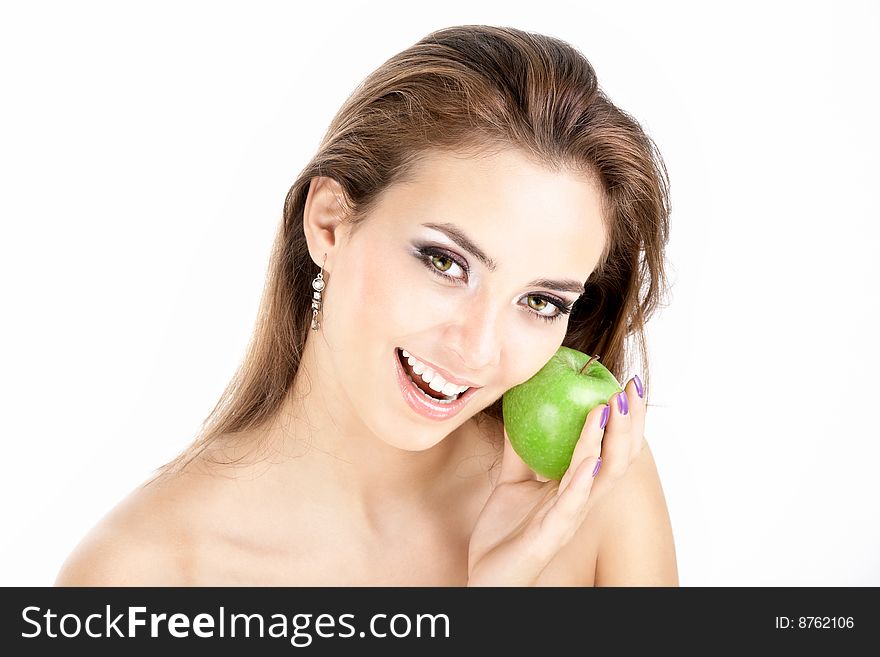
x: 146, y: 149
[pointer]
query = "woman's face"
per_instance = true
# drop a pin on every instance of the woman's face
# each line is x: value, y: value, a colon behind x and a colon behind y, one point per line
x: 469, y: 268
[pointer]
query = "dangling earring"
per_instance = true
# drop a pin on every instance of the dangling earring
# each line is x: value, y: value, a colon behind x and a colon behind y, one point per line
x: 318, y: 287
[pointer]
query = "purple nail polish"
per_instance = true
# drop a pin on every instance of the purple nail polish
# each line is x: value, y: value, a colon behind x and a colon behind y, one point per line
x: 639, y: 388
x: 622, y: 404
x: 598, y: 463
x: 605, y: 413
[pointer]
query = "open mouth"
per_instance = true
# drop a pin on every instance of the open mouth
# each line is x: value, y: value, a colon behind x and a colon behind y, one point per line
x: 429, y: 382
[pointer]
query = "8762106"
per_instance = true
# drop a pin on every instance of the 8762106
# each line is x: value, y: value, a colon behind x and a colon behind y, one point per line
x: 815, y: 622
x: 825, y: 622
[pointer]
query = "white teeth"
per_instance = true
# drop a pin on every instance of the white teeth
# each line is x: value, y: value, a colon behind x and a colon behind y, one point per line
x: 433, y: 399
x: 437, y: 383
x: 429, y: 376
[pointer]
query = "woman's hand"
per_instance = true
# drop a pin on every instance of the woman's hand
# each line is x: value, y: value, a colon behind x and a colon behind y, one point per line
x: 527, y: 520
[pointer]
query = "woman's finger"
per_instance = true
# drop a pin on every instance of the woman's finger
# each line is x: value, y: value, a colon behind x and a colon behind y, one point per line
x: 589, y: 444
x: 513, y: 468
x: 635, y: 392
x: 564, y: 518
x: 617, y: 441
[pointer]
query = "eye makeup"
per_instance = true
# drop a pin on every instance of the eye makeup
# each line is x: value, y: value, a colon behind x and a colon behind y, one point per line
x: 428, y: 255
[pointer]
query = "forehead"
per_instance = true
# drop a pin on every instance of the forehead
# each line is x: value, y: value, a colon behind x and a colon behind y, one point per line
x: 524, y: 215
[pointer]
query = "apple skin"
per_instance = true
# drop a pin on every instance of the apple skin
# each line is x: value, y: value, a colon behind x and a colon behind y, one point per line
x: 544, y: 416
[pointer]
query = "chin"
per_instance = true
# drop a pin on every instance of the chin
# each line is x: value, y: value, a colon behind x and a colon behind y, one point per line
x: 418, y: 440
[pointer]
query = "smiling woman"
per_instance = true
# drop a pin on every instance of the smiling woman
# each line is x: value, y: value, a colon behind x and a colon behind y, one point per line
x: 476, y: 203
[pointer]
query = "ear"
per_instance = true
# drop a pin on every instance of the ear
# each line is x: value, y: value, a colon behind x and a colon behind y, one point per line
x: 324, y: 220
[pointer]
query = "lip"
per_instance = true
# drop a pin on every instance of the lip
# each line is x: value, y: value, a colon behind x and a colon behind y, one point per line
x: 421, y: 404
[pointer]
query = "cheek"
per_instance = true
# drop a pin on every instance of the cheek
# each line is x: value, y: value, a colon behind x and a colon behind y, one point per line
x: 413, y: 301
x: 420, y: 305
x: 365, y: 297
x: 381, y: 302
x: 526, y: 352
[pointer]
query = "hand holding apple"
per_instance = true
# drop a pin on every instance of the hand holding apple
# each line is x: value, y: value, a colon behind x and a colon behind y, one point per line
x: 544, y: 415
x: 526, y: 522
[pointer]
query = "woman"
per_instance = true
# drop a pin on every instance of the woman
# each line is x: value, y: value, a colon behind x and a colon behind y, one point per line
x: 476, y: 203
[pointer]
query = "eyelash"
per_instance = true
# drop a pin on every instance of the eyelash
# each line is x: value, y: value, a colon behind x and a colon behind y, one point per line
x: 426, y: 253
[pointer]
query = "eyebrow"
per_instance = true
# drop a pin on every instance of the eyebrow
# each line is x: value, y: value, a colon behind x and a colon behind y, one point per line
x: 458, y: 236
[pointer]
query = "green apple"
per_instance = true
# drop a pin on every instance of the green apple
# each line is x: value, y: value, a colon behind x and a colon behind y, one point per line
x: 544, y: 416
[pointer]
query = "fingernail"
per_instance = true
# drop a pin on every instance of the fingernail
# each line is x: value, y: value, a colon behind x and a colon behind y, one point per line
x: 605, y: 414
x: 622, y: 404
x: 598, y: 463
x: 639, y: 388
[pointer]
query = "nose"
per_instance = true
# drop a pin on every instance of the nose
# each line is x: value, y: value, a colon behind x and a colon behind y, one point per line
x: 476, y: 337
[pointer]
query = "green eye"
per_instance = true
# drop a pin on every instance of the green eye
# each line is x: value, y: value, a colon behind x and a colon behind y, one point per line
x: 541, y: 303
x: 448, y: 261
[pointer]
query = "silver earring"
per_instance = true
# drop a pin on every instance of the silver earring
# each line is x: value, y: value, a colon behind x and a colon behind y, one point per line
x: 318, y: 287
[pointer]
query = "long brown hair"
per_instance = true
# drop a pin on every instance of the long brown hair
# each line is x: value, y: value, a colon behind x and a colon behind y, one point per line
x: 467, y: 88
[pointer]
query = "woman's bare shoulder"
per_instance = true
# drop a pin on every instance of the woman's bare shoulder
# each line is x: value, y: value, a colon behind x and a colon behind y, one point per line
x: 145, y: 540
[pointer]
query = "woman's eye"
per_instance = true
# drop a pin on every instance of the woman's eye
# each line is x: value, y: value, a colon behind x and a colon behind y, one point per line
x: 442, y: 263
x: 540, y: 303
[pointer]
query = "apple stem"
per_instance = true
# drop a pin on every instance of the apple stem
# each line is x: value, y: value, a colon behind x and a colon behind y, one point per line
x: 592, y: 358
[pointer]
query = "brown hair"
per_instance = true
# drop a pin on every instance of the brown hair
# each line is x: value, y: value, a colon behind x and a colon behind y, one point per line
x: 471, y: 89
